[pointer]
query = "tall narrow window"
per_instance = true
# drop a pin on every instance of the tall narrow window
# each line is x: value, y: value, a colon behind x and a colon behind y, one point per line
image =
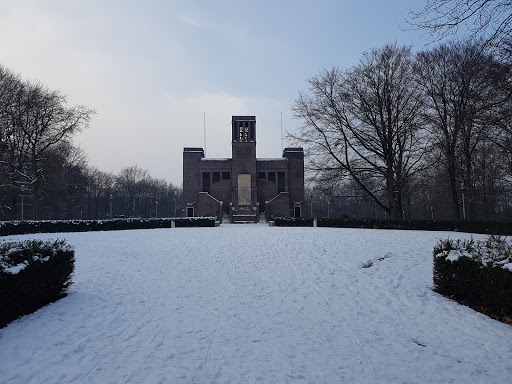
x: 206, y: 182
x: 280, y: 182
x: 251, y: 131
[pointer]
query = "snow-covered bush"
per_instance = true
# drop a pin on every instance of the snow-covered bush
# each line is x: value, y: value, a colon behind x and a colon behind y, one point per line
x: 33, y: 273
x: 477, y: 273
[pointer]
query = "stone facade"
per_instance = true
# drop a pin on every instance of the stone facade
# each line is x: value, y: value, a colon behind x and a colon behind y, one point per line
x: 243, y: 186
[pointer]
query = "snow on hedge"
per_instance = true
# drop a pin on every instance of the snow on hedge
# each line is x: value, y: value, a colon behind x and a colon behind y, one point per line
x: 495, y: 251
x: 16, y: 256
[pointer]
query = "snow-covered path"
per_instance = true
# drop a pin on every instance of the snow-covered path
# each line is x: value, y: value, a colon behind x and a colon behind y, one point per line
x: 251, y: 303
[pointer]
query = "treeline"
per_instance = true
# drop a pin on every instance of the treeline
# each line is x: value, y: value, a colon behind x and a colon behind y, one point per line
x: 43, y: 175
x: 423, y: 135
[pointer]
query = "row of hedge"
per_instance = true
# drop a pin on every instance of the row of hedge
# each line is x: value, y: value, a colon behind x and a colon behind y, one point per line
x: 476, y: 273
x: 484, y: 227
x: 33, y: 274
x: 8, y: 228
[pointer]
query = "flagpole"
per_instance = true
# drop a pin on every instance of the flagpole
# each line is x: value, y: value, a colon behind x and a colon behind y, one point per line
x: 282, y: 132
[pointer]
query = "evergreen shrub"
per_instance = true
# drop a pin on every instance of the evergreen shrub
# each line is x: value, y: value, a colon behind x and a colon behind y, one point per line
x: 9, y: 228
x: 33, y: 274
x: 476, y: 273
x: 484, y: 227
x: 293, y: 222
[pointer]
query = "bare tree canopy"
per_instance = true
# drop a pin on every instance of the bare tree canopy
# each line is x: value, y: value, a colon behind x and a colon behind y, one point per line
x: 364, y: 122
x: 487, y: 19
x: 405, y: 134
x: 43, y: 175
x: 461, y: 90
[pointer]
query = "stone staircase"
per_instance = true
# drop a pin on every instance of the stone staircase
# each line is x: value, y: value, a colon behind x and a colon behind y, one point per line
x: 245, y: 216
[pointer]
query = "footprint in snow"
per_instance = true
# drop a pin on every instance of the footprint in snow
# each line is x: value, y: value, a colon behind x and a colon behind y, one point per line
x: 370, y: 263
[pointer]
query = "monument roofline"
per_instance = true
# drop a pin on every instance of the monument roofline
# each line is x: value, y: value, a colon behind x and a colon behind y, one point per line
x: 243, y: 118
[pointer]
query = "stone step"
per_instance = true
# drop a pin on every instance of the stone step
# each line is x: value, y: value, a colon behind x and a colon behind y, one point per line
x: 246, y: 217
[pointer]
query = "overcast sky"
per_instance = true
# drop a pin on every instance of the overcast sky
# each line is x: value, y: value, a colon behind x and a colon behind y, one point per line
x: 152, y: 69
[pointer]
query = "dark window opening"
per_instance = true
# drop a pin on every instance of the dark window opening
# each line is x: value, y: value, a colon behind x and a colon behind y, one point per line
x: 215, y: 177
x: 226, y: 175
x: 296, y: 212
x: 280, y: 182
x: 206, y: 182
x: 190, y: 211
x: 272, y: 177
x: 244, y: 131
x: 261, y: 175
x: 252, y: 132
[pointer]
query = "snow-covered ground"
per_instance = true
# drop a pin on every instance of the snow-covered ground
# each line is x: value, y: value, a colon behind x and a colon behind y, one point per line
x: 252, y: 303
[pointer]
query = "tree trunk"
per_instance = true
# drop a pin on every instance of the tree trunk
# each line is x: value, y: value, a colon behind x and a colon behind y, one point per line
x: 452, y: 174
x: 468, y: 184
x: 390, y: 187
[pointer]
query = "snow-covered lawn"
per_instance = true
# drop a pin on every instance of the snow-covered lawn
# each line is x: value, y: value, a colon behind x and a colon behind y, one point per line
x: 252, y: 303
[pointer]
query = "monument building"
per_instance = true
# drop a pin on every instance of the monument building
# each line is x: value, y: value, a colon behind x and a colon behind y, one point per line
x: 243, y: 187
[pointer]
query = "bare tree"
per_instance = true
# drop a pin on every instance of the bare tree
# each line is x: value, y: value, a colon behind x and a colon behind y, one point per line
x: 488, y: 19
x: 500, y: 114
x: 457, y: 79
x: 100, y: 187
x: 37, y: 152
x: 141, y: 195
x: 129, y: 181
x: 9, y: 85
x: 364, y: 123
x: 34, y: 123
x: 44, y: 121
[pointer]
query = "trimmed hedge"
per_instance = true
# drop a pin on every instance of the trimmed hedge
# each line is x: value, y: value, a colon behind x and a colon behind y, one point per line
x: 484, y: 227
x: 476, y: 273
x: 8, y: 228
x: 292, y: 222
x: 33, y: 274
